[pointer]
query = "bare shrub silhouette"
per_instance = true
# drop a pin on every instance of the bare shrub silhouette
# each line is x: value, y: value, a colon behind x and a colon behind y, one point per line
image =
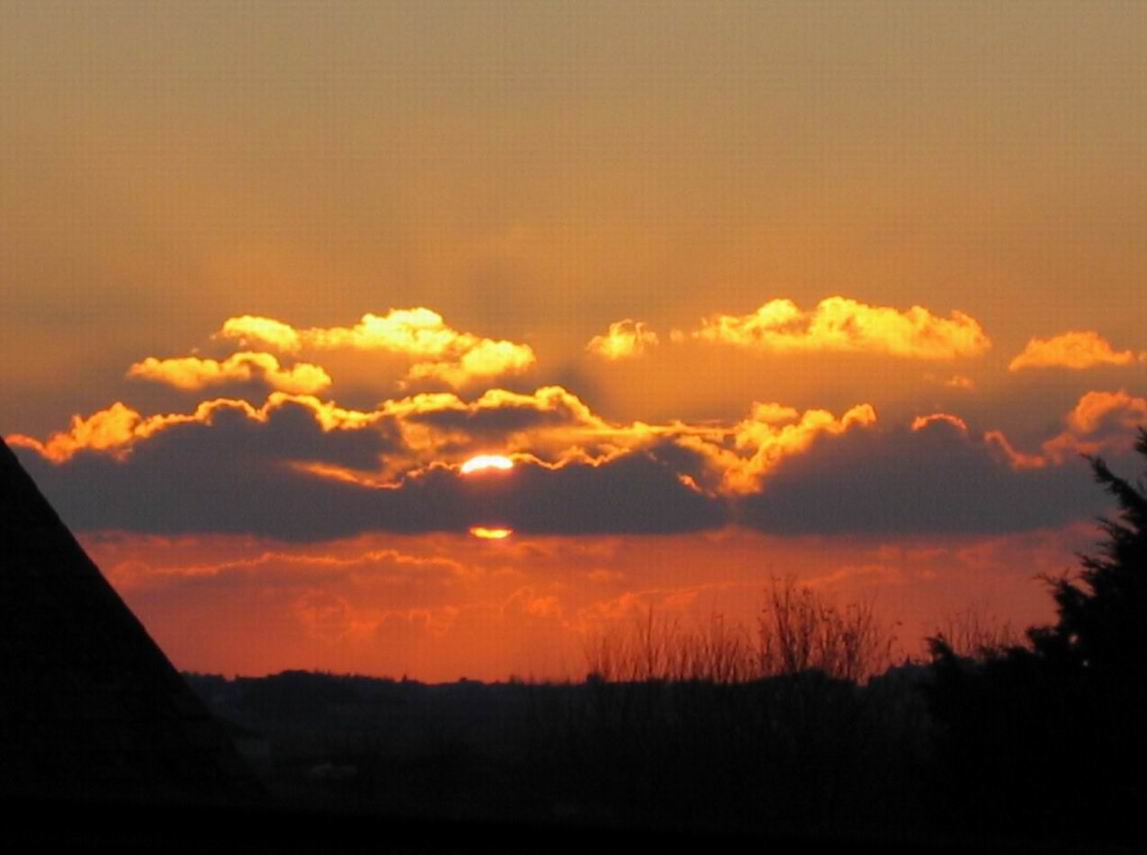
x: 976, y: 633
x: 798, y: 630
x: 801, y: 630
x: 655, y: 647
x: 739, y: 723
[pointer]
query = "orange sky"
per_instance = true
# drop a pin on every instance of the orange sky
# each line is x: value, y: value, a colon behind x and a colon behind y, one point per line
x: 741, y: 290
x: 442, y: 606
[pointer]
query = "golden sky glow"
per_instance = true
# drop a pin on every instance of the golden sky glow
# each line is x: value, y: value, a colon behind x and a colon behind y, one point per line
x: 733, y: 288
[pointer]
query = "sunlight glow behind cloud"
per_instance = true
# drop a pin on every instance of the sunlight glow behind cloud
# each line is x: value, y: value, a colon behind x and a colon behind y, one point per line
x: 483, y: 533
x: 482, y: 462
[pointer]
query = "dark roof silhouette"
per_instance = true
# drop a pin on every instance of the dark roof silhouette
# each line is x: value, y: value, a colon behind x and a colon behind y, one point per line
x: 89, y: 705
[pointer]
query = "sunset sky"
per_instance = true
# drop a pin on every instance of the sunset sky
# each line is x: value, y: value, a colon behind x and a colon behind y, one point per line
x: 725, y: 291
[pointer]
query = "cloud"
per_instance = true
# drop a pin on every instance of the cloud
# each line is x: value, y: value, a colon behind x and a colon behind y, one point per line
x: 112, y: 430
x: 118, y: 428
x: 771, y: 433
x: 301, y: 469
x: 438, y: 351
x: 1100, y: 422
x: 297, y: 469
x: 922, y: 422
x: 626, y: 339
x: 1076, y: 350
x: 936, y: 477
x: 264, y: 331
x: 439, y: 607
x: 193, y: 373
x: 839, y: 324
x: 1017, y: 459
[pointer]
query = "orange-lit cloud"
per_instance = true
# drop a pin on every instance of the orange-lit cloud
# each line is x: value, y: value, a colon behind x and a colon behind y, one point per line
x: 625, y: 340
x: 117, y: 428
x: 770, y: 434
x: 1076, y: 350
x: 265, y: 331
x: 1095, y: 409
x: 112, y: 430
x: 438, y: 351
x: 839, y: 324
x: 1017, y: 459
x: 323, y: 471
x: 193, y: 373
x: 1099, y: 422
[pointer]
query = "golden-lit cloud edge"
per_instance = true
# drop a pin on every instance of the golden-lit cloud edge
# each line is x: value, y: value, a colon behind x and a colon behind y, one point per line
x: 550, y: 427
x: 302, y: 469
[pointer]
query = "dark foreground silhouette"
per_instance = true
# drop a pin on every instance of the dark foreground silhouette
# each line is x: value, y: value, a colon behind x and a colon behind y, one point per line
x: 1017, y: 747
x: 89, y: 705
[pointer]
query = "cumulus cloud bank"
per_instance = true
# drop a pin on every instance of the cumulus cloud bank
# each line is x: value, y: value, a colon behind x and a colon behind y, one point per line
x: 298, y: 468
x: 301, y: 467
x: 932, y: 478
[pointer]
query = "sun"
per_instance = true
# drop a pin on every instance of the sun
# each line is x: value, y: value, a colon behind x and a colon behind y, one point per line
x: 483, y: 533
x: 482, y: 462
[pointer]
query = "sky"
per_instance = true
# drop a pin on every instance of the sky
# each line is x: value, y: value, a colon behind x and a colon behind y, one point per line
x: 730, y: 292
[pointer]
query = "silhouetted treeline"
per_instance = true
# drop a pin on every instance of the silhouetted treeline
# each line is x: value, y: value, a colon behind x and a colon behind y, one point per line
x: 797, y: 752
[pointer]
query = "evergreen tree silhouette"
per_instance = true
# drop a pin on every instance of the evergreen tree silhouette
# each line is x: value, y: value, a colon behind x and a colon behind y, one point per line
x: 1052, y: 737
x: 1103, y: 616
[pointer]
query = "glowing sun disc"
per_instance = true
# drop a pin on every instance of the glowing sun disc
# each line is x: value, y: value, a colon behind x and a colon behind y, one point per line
x: 486, y: 461
x: 484, y: 533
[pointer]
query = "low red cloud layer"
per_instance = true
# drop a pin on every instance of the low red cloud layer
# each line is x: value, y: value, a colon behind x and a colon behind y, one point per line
x: 440, y: 607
